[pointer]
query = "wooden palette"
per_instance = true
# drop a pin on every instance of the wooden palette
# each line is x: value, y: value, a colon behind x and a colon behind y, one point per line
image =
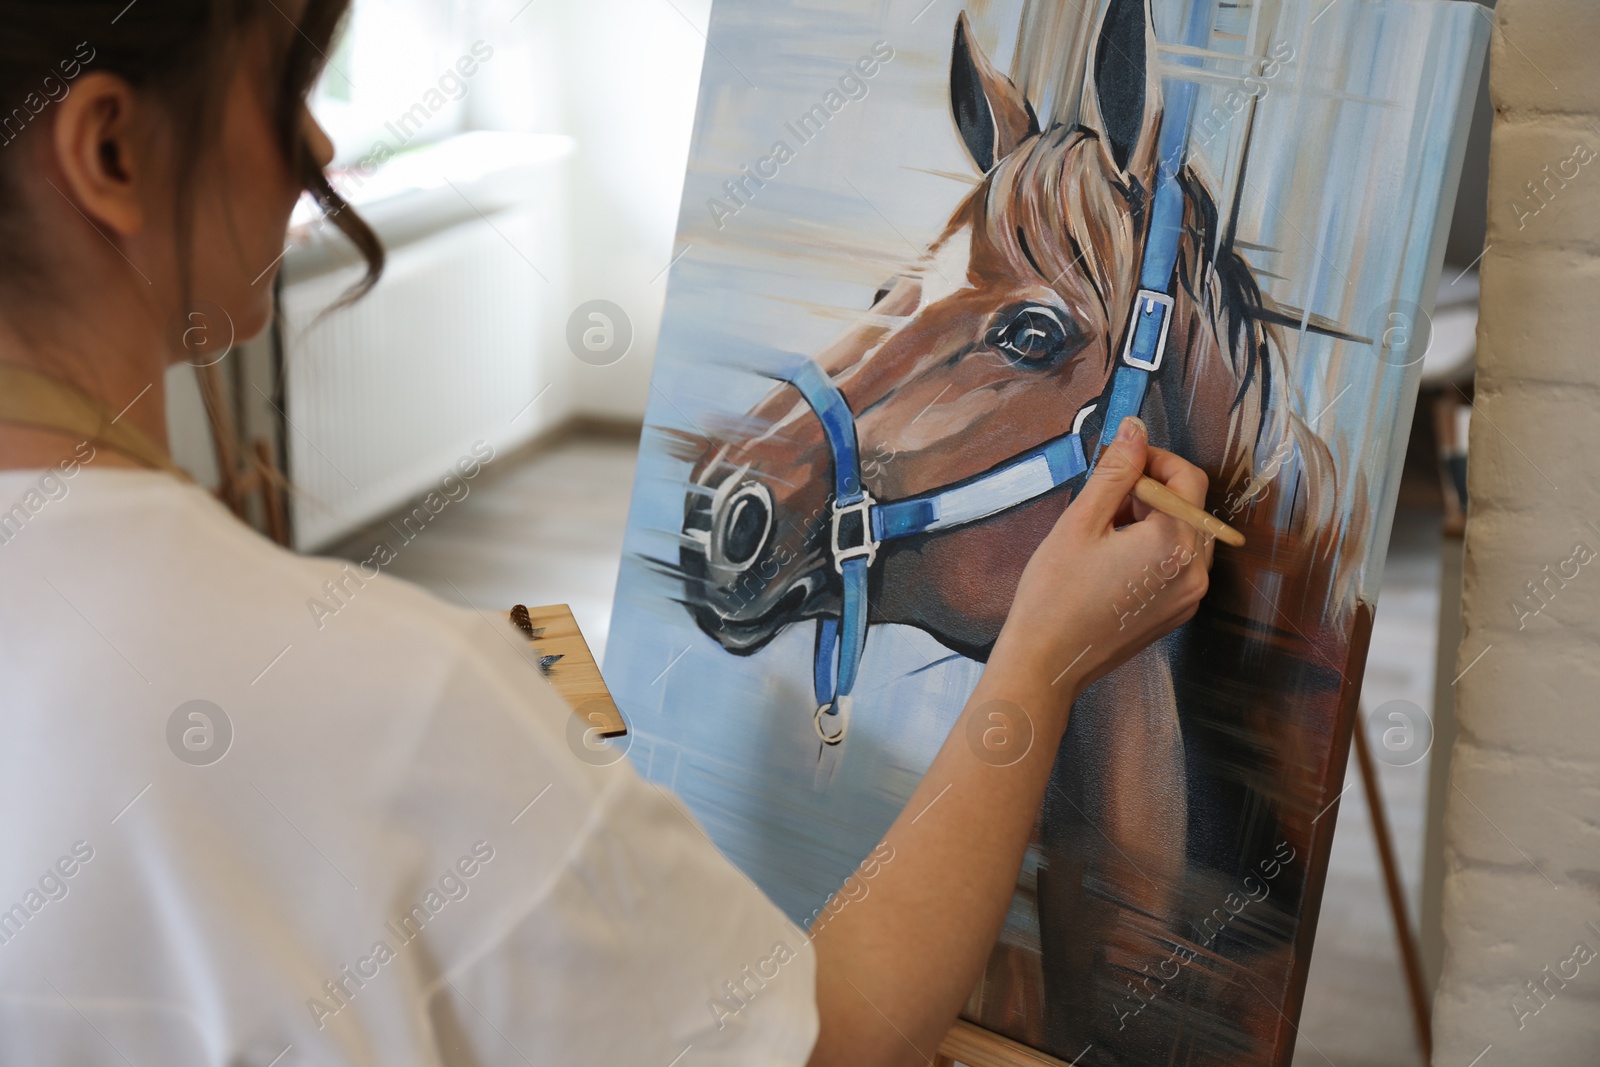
x: 573, y: 671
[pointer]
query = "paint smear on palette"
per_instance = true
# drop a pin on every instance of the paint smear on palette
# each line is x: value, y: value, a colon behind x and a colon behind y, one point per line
x: 929, y: 257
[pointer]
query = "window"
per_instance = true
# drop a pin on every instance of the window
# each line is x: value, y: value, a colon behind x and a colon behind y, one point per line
x: 397, y: 77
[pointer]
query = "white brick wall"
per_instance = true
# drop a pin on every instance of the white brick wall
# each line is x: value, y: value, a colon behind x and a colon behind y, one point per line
x: 1522, y: 892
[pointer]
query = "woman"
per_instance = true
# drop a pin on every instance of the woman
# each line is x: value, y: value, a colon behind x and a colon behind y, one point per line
x: 229, y: 836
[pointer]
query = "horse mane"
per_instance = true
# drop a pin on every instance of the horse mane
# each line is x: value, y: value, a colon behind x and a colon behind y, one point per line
x: 1054, y: 205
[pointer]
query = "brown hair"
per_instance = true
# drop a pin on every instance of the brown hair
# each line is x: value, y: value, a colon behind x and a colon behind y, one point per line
x: 182, y: 51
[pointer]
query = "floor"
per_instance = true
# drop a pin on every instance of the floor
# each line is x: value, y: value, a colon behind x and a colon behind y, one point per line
x: 1356, y: 1013
x: 538, y: 529
x: 547, y: 528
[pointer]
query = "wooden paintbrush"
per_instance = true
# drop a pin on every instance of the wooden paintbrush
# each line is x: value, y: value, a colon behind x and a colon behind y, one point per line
x: 1154, y: 494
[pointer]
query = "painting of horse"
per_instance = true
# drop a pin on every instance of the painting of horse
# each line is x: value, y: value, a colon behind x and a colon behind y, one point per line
x: 896, y: 477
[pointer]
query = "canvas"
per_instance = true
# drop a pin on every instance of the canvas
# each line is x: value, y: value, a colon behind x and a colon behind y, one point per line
x: 928, y: 256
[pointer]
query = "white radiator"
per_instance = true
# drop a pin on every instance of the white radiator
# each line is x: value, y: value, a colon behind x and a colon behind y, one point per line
x: 383, y: 397
x: 460, y: 341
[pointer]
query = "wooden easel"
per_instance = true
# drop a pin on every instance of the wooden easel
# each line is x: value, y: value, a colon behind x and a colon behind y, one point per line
x: 257, y: 475
x: 1405, y: 936
x: 976, y: 1047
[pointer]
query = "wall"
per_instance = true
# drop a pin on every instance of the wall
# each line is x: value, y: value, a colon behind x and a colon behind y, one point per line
x: 631, y: 75
x: 1521, y: 980
x: 621, y: 78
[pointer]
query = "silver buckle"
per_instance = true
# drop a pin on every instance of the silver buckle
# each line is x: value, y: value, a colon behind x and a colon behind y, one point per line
x: 868, y: 547
x: 1146, y: 300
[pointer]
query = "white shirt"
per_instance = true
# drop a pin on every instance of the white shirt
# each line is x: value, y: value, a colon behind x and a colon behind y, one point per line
x: 398, y: 858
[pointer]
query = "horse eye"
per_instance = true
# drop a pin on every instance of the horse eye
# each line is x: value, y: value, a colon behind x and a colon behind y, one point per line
x: 883, y: 291
x: 1033, y: 334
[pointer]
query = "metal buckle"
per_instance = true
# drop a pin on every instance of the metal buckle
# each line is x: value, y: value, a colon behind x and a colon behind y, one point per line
x: 1148, y: 300
x: 868, y: 547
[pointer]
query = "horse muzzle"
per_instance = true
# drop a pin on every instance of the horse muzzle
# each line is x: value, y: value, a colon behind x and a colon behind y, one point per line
x: 743, y: 583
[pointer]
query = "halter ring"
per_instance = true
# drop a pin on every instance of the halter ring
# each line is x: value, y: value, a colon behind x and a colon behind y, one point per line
x: 843, y: 717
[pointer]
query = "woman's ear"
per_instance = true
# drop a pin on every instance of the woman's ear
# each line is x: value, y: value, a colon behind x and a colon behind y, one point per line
x: 97, y: 143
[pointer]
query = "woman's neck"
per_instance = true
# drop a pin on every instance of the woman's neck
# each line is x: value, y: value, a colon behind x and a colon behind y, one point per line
x: 124, y: 375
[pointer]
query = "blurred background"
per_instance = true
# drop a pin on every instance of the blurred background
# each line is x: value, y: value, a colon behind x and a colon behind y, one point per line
x: 517, y: 159
x: 523, y: 162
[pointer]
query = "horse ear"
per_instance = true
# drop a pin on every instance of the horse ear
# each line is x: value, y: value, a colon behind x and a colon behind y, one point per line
x: 1125, y: 107
x: 991, y: 113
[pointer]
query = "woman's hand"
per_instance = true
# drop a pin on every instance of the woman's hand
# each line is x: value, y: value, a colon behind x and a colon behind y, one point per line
x: 1094, y: 594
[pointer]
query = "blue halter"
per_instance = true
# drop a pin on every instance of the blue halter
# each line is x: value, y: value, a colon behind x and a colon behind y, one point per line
x: 861, y: 524
x: 1146, y: 339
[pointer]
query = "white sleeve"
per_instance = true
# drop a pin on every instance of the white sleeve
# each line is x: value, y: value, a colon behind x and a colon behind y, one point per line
x: 610, y: 930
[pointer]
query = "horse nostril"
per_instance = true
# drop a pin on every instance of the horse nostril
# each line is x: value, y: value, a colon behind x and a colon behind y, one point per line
x: 746, y: 521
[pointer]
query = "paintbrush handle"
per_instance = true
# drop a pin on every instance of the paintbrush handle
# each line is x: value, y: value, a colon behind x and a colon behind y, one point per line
x: 1153, y: 493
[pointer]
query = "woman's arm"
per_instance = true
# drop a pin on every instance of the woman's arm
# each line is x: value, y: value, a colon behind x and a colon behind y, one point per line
x: 896, y: 965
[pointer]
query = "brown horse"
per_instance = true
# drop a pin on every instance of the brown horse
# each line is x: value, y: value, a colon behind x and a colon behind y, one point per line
x: 1170, y: 781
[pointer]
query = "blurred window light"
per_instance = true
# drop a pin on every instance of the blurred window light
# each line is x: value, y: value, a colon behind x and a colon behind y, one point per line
x: 397, y: 77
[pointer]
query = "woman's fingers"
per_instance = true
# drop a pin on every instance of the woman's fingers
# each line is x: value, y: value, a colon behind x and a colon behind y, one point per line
x: 1152, y: 571
x: 1178, y: 474
x: 1121, y: 464
x: 1177, y: 539
x: 1132, y: 510
x: 1189, y: 482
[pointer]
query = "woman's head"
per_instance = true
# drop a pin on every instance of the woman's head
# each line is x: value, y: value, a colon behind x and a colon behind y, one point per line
x: 158, y: 148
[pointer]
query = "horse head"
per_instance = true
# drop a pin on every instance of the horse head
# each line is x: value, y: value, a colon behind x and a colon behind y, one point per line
x: 1006, y: 333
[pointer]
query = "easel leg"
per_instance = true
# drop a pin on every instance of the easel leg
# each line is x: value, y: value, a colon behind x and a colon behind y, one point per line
x: 1409, y: 958
x: 271, y: 485
x: 223, y: 441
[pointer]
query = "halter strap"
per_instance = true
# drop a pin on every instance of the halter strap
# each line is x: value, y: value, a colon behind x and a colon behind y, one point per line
x: 851, y: 562
x: 1150, y: 322
x: 1029, y: 475
x: 860, y: 524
